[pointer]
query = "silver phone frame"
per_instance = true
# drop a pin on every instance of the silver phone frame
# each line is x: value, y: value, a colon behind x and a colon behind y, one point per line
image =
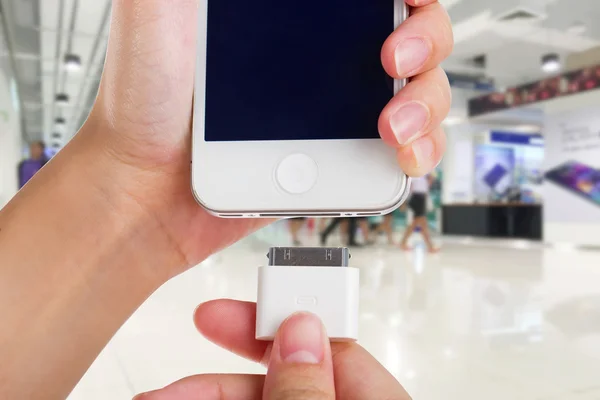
x: 401, y: 13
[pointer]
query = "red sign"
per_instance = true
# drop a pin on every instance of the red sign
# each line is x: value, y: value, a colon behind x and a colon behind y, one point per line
x: 564, y: 85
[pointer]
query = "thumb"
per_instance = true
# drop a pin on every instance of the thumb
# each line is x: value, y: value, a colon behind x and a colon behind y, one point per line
x: 301, y: 366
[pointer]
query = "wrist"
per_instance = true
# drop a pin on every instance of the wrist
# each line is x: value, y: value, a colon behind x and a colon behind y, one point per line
x: 112, y: 192
x: 80, y: 205
x: 74, y: 256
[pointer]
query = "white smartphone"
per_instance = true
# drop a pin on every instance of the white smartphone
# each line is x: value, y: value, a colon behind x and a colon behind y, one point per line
x: 287, y: 101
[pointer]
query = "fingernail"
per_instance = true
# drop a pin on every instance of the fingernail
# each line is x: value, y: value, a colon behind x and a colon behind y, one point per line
x: 408, y: 121
x: 423, y: 150
x: 301, y: 340
x: 411, y: 54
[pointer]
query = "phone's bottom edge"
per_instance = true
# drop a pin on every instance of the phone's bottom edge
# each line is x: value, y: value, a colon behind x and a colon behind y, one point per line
x: 302, y: 215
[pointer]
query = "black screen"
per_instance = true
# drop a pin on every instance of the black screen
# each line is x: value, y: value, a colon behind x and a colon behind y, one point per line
x: 296, y: 70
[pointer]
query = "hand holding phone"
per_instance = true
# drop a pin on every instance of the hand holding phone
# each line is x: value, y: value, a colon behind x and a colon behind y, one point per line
x: 298, y: 132
x: 146, y: 94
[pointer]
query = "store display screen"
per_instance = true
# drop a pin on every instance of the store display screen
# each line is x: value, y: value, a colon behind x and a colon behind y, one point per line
x: 495, y: 176
x: 280, y: 70
x: 579, y: 178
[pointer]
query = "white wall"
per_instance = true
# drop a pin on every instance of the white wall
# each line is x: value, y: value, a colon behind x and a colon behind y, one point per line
x: 10, y: 141
x: 458, y: 165
x: 459, y: 161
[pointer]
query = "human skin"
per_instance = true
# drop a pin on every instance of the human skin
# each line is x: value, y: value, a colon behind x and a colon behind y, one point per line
x: 111, y: 218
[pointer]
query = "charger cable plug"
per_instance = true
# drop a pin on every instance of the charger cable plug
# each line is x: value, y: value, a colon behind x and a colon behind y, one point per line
x: 315, y: 280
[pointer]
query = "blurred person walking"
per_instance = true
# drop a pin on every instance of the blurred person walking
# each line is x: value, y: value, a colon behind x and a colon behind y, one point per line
x: 387, y: 227
x: 347, y: 226
x: 333, y: 224
x: 30, y: 166
x: 295, y: 226
x: 418, y: 204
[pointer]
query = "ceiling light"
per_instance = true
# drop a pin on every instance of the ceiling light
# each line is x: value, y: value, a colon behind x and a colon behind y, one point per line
x: 551, y: 63
x: 528, y: 128
x: 62, y: 99
x: 72, y: 62
x: 56, y: 135
x: 60, y: 121
x: 32, y: 106
x: 453, y: 120
x: 578, y: 28
x: 56, y: 145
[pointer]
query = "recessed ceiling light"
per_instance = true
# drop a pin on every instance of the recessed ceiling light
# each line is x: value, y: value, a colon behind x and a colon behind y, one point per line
x: 32, y: 106
x: 453, y: 120
x: 72, y: 62
x: 551, y: 63
x: 578, y: 28
x: 60, y: 121
x: 528, y: 128
x: 56, y: 145
x: 56, y: 135
x: 62, y: 99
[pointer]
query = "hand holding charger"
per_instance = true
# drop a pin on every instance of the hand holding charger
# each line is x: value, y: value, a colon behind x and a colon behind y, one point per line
x: 315, y: 280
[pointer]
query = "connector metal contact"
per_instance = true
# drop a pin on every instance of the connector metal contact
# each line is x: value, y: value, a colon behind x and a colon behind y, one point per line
x: 309, y: 257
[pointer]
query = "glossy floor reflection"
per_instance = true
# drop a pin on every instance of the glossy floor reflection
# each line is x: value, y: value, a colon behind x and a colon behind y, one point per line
x: 481, y: 320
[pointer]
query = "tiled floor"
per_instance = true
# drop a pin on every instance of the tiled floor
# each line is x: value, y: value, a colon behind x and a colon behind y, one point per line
x: 481, y: 320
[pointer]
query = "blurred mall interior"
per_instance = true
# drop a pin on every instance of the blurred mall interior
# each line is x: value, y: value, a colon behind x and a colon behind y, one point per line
x: 509, y: 308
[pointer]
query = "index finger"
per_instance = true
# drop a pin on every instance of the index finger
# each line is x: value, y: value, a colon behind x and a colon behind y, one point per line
x: 420, y: 43
x: 419, y: 3
x: 358, y: 375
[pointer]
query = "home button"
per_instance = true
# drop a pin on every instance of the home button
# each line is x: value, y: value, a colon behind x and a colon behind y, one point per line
x: 297, y: 173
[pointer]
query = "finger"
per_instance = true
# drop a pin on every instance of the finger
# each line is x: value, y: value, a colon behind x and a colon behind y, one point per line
x: 210, y: 387
x: 300, y: 366
x: 419, y: 3
x: 418, y: 109
x: 423, y: 156
x: 226, y: 322
x: 419, y: 44
x: 358, y: 375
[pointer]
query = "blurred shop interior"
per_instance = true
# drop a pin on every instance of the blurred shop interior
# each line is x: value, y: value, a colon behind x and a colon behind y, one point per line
x: 512, y: 299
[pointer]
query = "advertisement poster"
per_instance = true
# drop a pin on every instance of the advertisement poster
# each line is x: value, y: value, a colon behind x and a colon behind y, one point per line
x: 494, y: 172
x: 572, y: 175
x: 528, y: 172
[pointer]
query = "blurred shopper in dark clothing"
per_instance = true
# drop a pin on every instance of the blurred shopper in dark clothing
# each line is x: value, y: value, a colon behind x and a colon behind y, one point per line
x: 350, y: 226
x: 335, y: 222
x: 29, y: 167
x: 418, y: 204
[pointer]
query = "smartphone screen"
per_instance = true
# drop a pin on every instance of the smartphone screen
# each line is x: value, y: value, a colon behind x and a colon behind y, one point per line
x: 579, y: 178
x: 307, y: 70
